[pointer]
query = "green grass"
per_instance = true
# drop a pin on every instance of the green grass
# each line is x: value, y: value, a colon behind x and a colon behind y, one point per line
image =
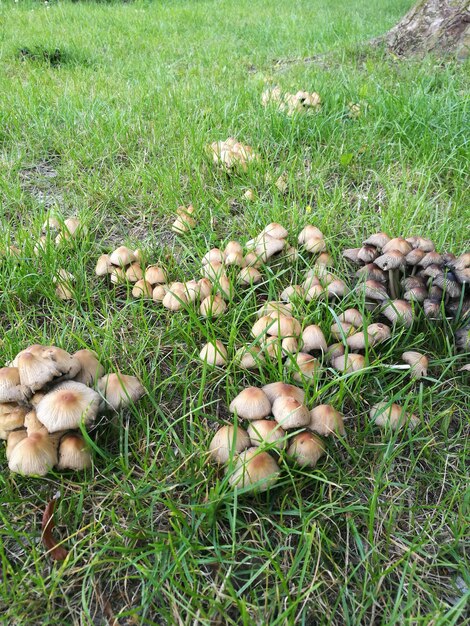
x: 113, y: 128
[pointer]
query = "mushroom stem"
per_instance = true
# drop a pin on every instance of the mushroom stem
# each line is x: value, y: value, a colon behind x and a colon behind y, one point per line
x: 392, y: 279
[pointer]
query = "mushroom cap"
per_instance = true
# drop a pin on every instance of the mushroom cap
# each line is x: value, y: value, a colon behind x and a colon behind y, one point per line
x: 309, y: 232
x: 313, y: 338
x: 342, y: 330
x: 255, y: 469
x: 103, y: 265
x: 35, y: 371
x: 134, y: 273
x: 214, y: 354
x: 283, y: 326
x: 311, y: 279
x: 118, y: 275
x: 422, y: 243
x: 307, y: 366
x: 399, y: 244
x: 280, y: 389
x: 448, y: 283
x: 233, y: 247
x: 290, y: 413
x: 284, y: 308
x: 235, y: 258
x: 418, y: 362
x: 259, y: 328
x: 289, y: 345
x: 432, y: 308
x: 11, y: 416
x: 275, y: 230
x: 68, y: 365
x: 159, y: 293
x: 415, y: 256
x: 352, y: 316
x: 268, y: 246
x: 399, y: 312
x: 315, y: 245
x: 227, y: 442
x: 122, y: 256
x: 205, y: 288
x: 73, y: 453
x: 334, y: 351
x: 249, y: 276
x: 252, y: 260
x: 392, y: 416
x: 142, y: 289
x: 367, y: 254
x: 358, y: 341
x: 431, y: 258
x: 120, y: 390
x: 375, y: 290
x: 326, y: 420
x: 155, y: 275
x: 416, y: 294
x: 213, y: 270
x: 371, y: 271
x: 292, y: 292
x: 213, y: 256
x: 379, y: 240
x: 291, y: 253
x: 349, y: 363
x: 306, y: 449
x: 337, y: 289
x: 391, y: 260
x: 90, y: 368
x: 266, y: 432
x: 272, y: 346
x: 67, y: 406
x: 11, y: 389
x: 249, y: 357
x: 251, y: 404
x: 378, y: 333
x: 314, y: 293
x: 213, y: 306
x: 14, y: 437
x: 33, y: 455
x: 175, y: 299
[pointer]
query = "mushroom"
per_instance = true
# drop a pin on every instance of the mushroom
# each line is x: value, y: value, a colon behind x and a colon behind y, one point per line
x: 392, y: 416
x: 235, y: 258
x: 371, y: 271
x: 35, y: 372
x: 175, y: 298
x: 118, y: 276
x: 290, y: 413
x: 289, y: 346
x: 420, y: 242
x: 272, y: 346
x: 205, y: 288
x: 309, y: 232
x: 33, y: 455
x: 266, y: 432
x: 14, y: 437
x: 68, y: 405
x: 306, y: 449
x: 67, y: 364
x: 399, y: 312
x: 73, y: 453
x: 155, y: 275
x: 159, y: 292
x: 306, y: 365
x: 399, y: 244
x: 334, y: 351
x: 283, y: 326
x: 315, y: 292
x: 11, y: 417
x: 326, y: 420
x: 227, y: 443
x: 337, y: 289
x: 120, y: 390
x: 213, y: 256
x: 260, y: 327
x: 268, y: 247
x: 349, y: 363
x: 392, y: 260
x: 249, y: 357
x: 367, y: 254
x: 213, y: 270
x: 315, y: 245
x: 375, y: 290
x: 214, y: 354
x: 313, y: 338
x: 233, y: 247
x: 342, y: 330
x: 11, y: 388
x: 351, y: 254
x: 122, y: 256
x: 142, y: 288
x: 292, y: 292
x: 184, y: 220
x: 352, y: 316
x: 275, y: 307
x: 378, y: 240
x: 275, y: 230
x: 134, y: 273
x: 249, y: 276
x: 432, y: 309
x: 254, y: 469
x: 213, y: 306
x: 418, y: 363
x: 280, y: 389
x: 103, y: 265
x: 251, y: 404
x: 90, y: 368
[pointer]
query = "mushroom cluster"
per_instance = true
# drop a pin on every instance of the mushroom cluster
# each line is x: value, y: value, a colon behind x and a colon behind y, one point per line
x: 46, y: 396
x: 64, y: 230
x: 397, y: 273
x: 279, y: 423
x: 291, y: 103
x: 230, y: 154
x: 184, y: 219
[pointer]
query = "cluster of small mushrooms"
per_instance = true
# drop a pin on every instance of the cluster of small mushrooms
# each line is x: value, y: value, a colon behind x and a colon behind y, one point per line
x: 279, y: 423
x: 399, y: 273
x: 230, y: 154
x: 46, y: 396
x: 291, y: 103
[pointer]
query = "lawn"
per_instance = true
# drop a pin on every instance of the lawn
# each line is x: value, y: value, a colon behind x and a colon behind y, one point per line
x: 106, y: 110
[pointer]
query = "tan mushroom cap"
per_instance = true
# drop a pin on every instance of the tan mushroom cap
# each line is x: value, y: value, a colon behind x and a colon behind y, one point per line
x: 342, y: 330
x: 276, y: 230
x: 260, y: 327
x: 293, y: 292
x: 205, y: 288
x: 142, y: 289
x: 315, y: 245
x: 214, y: 354
x: 313, y: 338
x: 249, y: 357
x: 213, y: 306
x: 306, y: 449
x: 326, y: 420
x: 122, y: 256
x: 267, y: 247
x: 90, y: 368
x: 351, y: 254
x: 266, y: 432
x: 273, y: 306
x: 272, y: 346
x: 249, y: 276
x: 118, y: 276
x: 392, y: 416
x: 399, y: 312
x: 67, y: 364
x: 213, y: 256
x: 73, y: 453
x: 174, y: 299
x: 371, y: 272
x: 307, y: 365
x: 290, y: 413
x: 290, y: 345
x: 11, y: 417
x: 255, y: 469
x: 284, y: 326
x: 314, y: 293
x: 35, y: 371
x: 159, y: 292
x: 378, y: 333
x: 11, y: 389
x: 235, y: 258
x: 134, y: 273
x: 309, y: 232
x: 280, y: 389
x: 227, y: 442
x: 233, y: 247
x: 251, y: 404
x: 67, y: 406
x: 14, y: 437
x: 349, y: 363
x: 104, y: 265
x: 391, y: 260
x: 120, y: 390
x: 367, y: 254
x: 352, y: 316
x: 375, y: 290
x: 399, y: 244
x: 33, y: 455
x: 379, y: 240
x: 418, y: 363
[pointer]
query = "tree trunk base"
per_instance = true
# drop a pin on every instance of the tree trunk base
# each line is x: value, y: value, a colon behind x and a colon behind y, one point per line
x: 436, y: 26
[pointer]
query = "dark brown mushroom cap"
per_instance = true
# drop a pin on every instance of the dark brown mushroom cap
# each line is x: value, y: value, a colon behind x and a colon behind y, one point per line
x: 371, y: 271
x: 435, y: 293
x: 431, y: 258
x: 367, y: 254
x: 411, y: 282
x: 431, y: 271
x: 448, y: 258
x: 379, y: 240
x: 415, y: 256
x: 448, y: 283
x: 391, y: 260
x: 432, y: 309
x: 399, y: 244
